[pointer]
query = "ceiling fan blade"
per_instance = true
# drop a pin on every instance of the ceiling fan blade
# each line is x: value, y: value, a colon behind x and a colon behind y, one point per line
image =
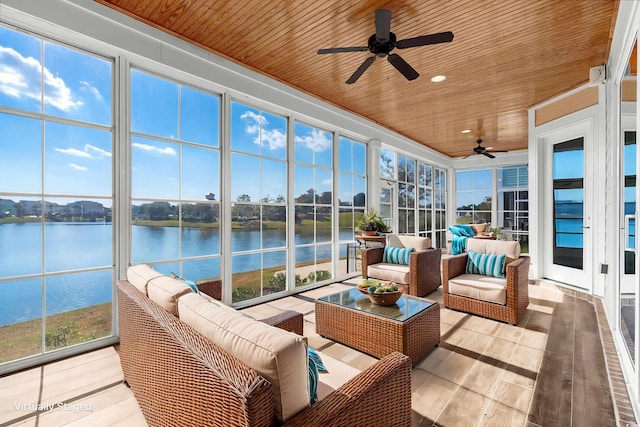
x: 468, y: 155
x: 343, y: 49
x: 383, y: 24
x: 361, y: 69
x: 496, y: 151
x: 402, y: 66
x: 491, y: 156
x: 436, y: 38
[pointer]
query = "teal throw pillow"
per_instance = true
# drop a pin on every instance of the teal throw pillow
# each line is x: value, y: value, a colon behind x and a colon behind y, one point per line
x: 396, y: 255
x: 191, y: 283
x: 315, y: 366
x: 316, y: 358
x: 313, y: 381
x: 486, y: 264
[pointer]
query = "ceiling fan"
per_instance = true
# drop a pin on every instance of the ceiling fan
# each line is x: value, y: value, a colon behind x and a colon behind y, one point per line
x: 484, y: 151
x: 384, y: 41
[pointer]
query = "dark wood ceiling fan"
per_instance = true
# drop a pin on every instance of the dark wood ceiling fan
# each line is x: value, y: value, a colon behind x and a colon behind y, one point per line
x: 384, y: 41
x: 484, y: 151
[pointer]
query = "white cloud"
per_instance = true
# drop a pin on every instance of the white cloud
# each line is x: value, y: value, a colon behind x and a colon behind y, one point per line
x: 99, y: 151
x: 78, y: 167
x: 20, y: 78
x: 318, y: 141
x: 94, y: 90
x: 257, y: 125
x: 327, y: 182
x: 146, y: 147
x: 74, y: 152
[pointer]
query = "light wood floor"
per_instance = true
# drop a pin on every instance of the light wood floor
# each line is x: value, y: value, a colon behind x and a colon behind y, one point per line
x: 550, y: 370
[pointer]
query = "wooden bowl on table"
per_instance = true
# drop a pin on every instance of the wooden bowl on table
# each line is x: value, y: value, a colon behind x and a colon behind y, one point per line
x: 384, y: 298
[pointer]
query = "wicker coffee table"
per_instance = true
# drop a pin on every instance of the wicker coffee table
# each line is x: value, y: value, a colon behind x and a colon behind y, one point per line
x: 411, y: 326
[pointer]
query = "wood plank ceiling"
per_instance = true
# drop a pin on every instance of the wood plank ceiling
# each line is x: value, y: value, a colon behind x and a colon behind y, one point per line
x: 506, y: 56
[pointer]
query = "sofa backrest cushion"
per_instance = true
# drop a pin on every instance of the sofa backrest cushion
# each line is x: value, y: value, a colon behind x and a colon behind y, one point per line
x: 166, y: 291
x: 479, y: 228
x: 495, y: 247
x: 139, y: 276
x: 277, y: 355
x: 415, y: 242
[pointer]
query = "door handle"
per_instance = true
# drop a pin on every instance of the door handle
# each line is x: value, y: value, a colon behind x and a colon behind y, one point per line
x: 586, y: 227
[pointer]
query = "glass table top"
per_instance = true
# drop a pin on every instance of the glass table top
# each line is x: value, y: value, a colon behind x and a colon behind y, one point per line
x: 406, y: 307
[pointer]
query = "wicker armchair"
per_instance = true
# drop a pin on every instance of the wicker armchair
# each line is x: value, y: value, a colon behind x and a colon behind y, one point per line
x: 500, y: 299
x: 419, y: 278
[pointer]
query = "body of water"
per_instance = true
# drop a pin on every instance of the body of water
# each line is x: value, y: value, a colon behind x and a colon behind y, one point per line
x: 72, y: 246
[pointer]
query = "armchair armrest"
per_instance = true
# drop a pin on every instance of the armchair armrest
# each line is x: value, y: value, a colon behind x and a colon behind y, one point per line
x: 370, y: 256
x: 424, y: 270
x: 391, y: 376
x: 451, y: 267
x: 289, y: 320
x: 518, y: 283
x: 211, y: 287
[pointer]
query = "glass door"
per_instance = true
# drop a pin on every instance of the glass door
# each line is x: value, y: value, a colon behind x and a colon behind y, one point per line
x: 628, y: 310
x: 628, y: 255
x: 567, y: 251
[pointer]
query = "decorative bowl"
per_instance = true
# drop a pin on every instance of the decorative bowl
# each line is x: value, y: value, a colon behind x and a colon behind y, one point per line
x: 385, y: 298
x: 364, y: 286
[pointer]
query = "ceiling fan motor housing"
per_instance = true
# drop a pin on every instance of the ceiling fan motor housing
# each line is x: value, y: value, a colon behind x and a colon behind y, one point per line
x: 382, y: 48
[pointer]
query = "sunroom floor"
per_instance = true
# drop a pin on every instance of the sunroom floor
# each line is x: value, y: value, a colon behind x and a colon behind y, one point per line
x: 557, y: 367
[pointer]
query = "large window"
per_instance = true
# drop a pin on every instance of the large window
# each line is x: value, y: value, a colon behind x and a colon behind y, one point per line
x: 56, y: 196
x: 406, y: 195
x: 473, y: 196
x: 425, y: 199
x: 352, y: 190
x: 175, y: 177
x: 258, y: 197
x: 440, y: 209
x: 313, y: 183
x: 478, y: 199
x: 513, y: 203
x: 414, y: 193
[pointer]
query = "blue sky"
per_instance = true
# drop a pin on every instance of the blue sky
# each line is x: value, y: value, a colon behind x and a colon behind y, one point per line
x: 69, y: 84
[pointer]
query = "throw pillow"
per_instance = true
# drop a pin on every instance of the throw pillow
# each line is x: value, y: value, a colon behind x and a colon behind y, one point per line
x: 313, y: 381
x: 315, y: 366
x: 191, y: 283
x: 485, y: 264
x: 316, y: 358
x: 396, y: 255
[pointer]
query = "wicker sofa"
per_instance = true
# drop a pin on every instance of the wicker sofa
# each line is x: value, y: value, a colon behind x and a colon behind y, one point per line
x: 419, y: 277
x: 181, y: 377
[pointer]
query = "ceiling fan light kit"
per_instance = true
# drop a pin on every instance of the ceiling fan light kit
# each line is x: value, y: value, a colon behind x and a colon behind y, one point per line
x: 383, y: 42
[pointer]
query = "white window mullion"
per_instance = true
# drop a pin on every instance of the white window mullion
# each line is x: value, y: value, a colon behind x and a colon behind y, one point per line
x: 225, y: 199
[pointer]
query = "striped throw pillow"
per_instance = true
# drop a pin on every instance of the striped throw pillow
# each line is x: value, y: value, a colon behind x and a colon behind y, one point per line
x: 485, y: 264
x: 396, y: 255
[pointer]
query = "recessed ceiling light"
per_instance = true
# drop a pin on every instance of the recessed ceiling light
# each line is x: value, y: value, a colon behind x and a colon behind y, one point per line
x: 466, y: 131
x: 438, y: 79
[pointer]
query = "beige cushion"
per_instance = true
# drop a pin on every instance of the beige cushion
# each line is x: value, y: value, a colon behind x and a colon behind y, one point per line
x: 479, y: 228
x: 140, y: 275
x: 484, y: 288
x: 495, y: 247
x: 166, y: 291
x: 394, y: 272
x: 277, y: 355
x: 415, y: 242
